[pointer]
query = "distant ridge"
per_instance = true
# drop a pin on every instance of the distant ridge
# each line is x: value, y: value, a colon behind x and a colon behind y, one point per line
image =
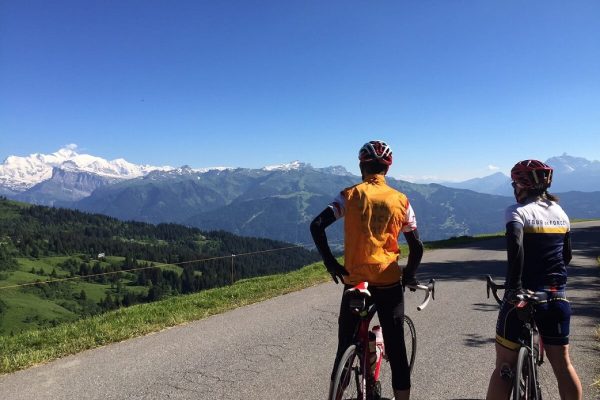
x: 570, y: 174
x: 279, y: 201
x: 497, y: 183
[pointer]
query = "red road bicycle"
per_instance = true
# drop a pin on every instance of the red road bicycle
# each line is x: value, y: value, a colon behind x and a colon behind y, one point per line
x: 358, y: 376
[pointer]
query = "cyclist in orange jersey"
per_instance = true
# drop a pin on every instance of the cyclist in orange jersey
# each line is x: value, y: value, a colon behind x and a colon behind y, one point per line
x: 375, y: 215
x: 539, y: 250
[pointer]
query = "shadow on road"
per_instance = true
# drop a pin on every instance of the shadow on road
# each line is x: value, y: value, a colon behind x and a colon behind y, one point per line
x: 464, y: 270
x: 476, y: 340
x: 583, y: 284
x: 584, y: 278
x: 586, y: 241
x: 487, y: 307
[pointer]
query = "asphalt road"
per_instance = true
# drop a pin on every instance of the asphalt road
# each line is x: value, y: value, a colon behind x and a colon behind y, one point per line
x: 283, y: 348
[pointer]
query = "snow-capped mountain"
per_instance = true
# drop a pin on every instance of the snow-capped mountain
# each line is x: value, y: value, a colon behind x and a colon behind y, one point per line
x: 64, y: 187
x: 18, y: 174
x: 574, y: 173
x: 566, y: 164
x: 570, y: 174
x: 298, y: 165
x: 294, y: 165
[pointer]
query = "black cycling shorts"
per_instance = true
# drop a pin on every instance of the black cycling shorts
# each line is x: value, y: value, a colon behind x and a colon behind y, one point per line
x: 552, y: 319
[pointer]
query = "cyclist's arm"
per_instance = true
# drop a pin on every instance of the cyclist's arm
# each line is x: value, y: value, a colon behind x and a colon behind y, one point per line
x: 567, y: 252
x: 317, y: 230
x: 415, y: 253
x: 516, y: 255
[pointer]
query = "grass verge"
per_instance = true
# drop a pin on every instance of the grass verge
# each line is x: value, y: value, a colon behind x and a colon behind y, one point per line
x: 38, y: 346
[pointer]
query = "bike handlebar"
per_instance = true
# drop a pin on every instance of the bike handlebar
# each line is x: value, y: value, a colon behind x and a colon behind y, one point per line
x: 429, y: 292
x: 494, y: 287
x: 533, y: 297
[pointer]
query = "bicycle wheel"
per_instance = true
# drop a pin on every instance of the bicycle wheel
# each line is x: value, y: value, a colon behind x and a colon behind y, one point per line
x: 383, y: 387
x: 348, y: 377
x: 410, y: 341
x: 525, y: 385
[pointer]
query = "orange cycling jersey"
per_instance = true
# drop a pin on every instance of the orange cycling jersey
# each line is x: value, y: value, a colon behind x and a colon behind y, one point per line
x: 375, y: 214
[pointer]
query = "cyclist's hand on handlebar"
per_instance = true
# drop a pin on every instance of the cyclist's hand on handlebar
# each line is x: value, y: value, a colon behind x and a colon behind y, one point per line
x: 410, y: 281
x: 515, y: 295
x: 336, y: 270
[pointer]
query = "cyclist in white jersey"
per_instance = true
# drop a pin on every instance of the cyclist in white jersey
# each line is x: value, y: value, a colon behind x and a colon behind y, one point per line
x: 539, y: 250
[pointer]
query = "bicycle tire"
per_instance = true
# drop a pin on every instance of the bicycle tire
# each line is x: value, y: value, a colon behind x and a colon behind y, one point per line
x: 383, y: 387
x: 346, y: 384
x: 410, y: 341
x: 524, y: 384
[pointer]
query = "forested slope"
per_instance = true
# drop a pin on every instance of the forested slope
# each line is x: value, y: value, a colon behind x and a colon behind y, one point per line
x: 95, y: 263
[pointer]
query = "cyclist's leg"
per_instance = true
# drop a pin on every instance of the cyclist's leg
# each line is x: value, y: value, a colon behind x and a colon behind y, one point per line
x: 508, y: 328
x: 501, y: 381
x: 346, y: 325
x: 390, y: 309
x: 569, y: 385
x: 553, y: 321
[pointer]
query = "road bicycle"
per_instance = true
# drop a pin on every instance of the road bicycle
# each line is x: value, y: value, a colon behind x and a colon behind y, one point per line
x: 361, y: 370
x: 526, y: 384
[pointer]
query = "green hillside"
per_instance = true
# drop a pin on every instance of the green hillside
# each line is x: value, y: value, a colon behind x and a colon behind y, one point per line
x: 59, y: 265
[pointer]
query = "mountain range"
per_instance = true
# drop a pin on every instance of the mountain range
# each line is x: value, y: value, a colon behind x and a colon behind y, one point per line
x: 275, y: 202
x: 570, y: 174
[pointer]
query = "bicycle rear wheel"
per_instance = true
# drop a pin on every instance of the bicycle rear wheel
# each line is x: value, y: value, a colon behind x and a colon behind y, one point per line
x: 525, y: 385
x: 348, y: 377
x: 410, y: 341
x: 383, y: 387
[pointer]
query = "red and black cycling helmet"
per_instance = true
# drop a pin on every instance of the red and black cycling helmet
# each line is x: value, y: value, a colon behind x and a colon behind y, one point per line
x: 531, y: 174
x: 376, y: 150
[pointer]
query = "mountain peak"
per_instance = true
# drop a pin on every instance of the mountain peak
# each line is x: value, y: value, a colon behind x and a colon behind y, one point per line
x: 568, y: 164
x: 67, y: 152
x: 294, y: 165
x: 336, y: 170
x: 21, y: 173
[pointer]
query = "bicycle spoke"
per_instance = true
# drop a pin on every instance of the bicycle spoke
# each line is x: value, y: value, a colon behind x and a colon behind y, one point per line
x: 348, y: 377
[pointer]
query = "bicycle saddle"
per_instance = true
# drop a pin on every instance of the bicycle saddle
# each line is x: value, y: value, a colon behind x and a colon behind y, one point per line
x: 358, y: 297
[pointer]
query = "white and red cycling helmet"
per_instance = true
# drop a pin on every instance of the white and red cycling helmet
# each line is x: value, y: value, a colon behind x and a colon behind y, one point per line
x: 531, y: 174
x: 376, y: 150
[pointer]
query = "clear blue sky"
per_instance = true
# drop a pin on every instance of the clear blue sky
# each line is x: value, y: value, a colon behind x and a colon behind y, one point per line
x: 453, y: 86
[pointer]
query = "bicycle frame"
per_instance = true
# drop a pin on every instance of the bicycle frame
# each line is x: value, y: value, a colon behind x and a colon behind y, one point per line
x: 527, y: 340
x: 530, y: 339
x: 361, y: 336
